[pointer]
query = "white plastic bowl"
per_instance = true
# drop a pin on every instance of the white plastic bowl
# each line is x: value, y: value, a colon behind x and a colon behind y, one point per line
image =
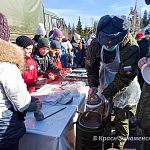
x: 93, y: 106
x: 145, y: 70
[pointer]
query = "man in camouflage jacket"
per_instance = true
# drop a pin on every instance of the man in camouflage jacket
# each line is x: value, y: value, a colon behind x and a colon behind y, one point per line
x: 129, y: 56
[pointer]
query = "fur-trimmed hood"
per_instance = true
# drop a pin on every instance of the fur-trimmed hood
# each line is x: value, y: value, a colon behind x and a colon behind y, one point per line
x: 11, y: 53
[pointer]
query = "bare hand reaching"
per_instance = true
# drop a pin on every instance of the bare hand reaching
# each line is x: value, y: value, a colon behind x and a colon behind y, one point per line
x: 142, y: 62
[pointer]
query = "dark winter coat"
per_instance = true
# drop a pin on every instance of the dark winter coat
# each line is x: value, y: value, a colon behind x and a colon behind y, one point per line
x: 45, y: 65
x: 144, y: 47
x: 79, y: 56
x: 144, y: 51
x: 143, y: 108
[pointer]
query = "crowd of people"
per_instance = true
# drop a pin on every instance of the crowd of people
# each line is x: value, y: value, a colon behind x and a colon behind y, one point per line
x: 25, y: 65
x: 112, y: 58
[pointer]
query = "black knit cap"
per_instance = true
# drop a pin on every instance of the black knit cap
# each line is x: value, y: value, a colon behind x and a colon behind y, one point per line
x: 43, y: 42
x: 24, y: 41
x: 4, y: 29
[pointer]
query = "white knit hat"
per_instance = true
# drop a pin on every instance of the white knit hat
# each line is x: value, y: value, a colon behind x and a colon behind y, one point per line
x: 92, y: 36
x: 76, y: 36
x: 67, y: 45
x: 40, y: 30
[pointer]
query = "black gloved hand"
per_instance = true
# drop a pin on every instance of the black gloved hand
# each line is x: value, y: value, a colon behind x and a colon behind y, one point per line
x: 34, y: 104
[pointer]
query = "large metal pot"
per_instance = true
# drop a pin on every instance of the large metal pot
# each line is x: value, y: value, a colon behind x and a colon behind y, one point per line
x: 89, y: 129
x: 94, y: 103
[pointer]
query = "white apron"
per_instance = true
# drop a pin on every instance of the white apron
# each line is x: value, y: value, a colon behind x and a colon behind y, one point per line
x: 129, y: 95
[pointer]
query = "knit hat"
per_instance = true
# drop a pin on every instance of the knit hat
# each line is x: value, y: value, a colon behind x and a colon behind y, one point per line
x: 55, y: 44
x: 147, y: 2
x: 147, y: 31
x: 111, y: 29
x: 139, y: 35
x: 40, y: 30
x: 24, y: 41
x: 57, y: 33
x: 76, y: 36
x: 43, y: 42
x: 4, y: 29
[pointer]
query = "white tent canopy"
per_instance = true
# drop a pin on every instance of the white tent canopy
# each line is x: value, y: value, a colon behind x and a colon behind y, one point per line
x: 23, y: 15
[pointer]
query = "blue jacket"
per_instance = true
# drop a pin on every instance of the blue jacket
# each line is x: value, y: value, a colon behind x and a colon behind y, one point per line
x: 64, y: 58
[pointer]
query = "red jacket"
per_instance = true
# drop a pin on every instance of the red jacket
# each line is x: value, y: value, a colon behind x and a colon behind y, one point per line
x: 30, y: 74
x: 58, y: 64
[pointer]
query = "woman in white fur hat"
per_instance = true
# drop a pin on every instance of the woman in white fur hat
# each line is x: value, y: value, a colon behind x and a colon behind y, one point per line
x: 40, y: 32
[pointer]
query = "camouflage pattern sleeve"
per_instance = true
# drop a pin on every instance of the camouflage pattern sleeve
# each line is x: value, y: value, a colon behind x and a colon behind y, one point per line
x: 143, y: 108
x: 92, y: 63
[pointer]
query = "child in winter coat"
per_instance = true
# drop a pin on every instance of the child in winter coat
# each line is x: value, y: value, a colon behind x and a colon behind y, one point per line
x: 55, y: 54
x: 58, y: 36
x: 43, y: 60
x: 30, y: 73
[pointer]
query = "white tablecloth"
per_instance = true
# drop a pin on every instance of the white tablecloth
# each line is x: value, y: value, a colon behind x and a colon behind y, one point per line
x: 51, y: 133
